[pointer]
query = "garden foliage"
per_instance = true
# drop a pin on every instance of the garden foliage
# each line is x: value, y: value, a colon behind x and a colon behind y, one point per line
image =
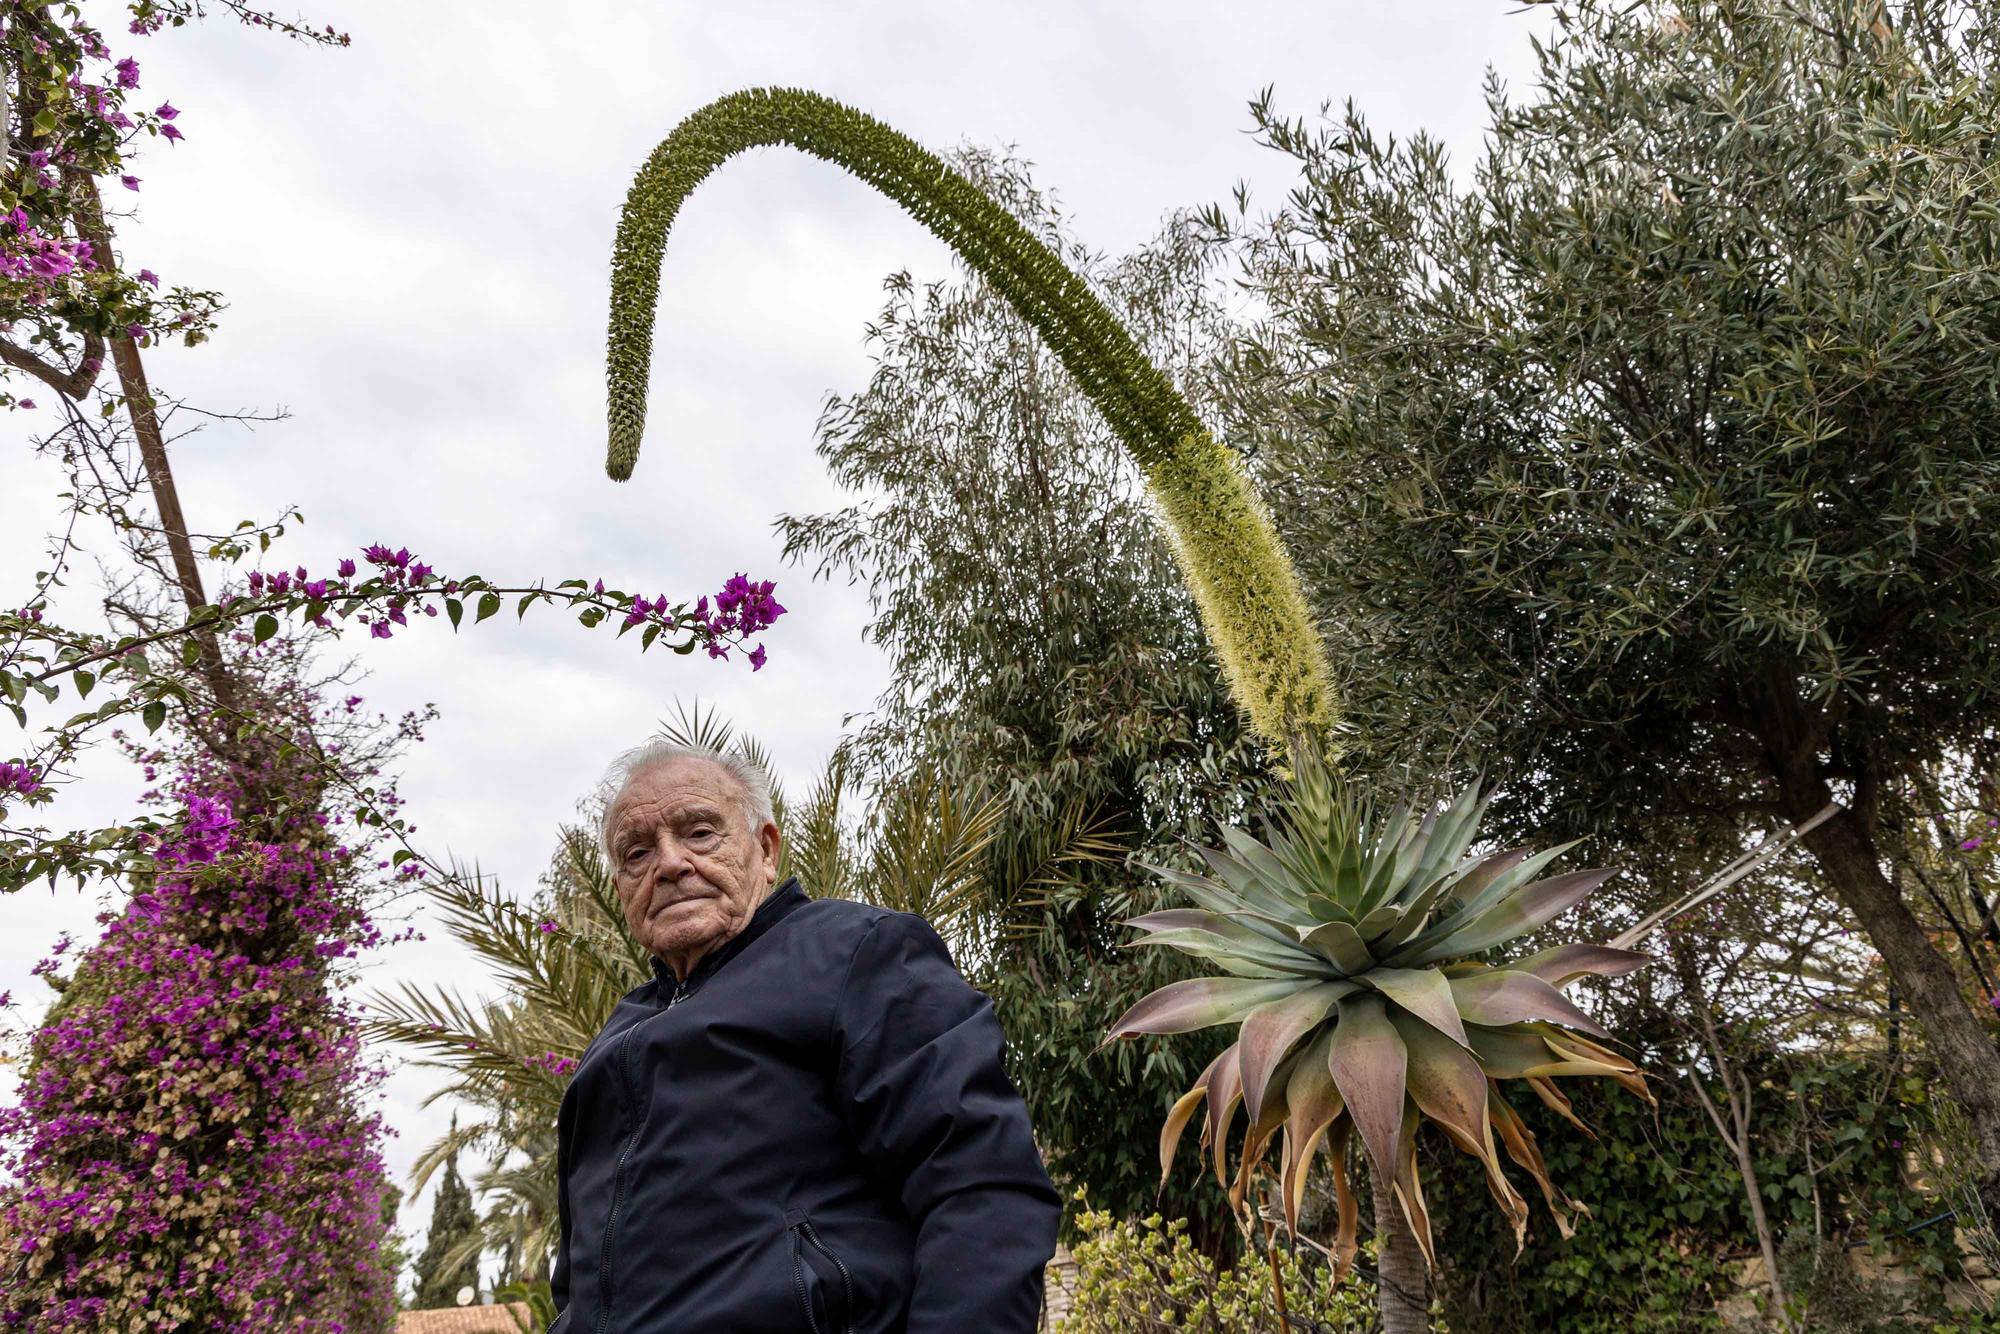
x: 1652, y: 457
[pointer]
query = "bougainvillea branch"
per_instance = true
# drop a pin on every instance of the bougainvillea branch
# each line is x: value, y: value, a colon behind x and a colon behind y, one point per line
x: 130, y: 675
x: 1243, y: 582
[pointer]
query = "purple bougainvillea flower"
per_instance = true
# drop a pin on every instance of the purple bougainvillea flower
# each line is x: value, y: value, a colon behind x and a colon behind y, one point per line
x: 25, y: 403
x: 130, y: 182
x: 169, y: 132
x: 166, y: 111
x: 346, y: 569
x: 148, y: 277
x: 380, y: 629
x: 128, y: 73
x: 1973, y: 844
x: 757, y: 658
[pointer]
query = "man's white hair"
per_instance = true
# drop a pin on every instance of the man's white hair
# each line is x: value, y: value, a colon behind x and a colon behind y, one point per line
x: 749, y: 775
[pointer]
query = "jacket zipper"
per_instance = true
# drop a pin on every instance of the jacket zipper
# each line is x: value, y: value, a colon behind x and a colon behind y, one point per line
x: 624, y: 1156
x: 617, y: 1184
x: 804, y: 1228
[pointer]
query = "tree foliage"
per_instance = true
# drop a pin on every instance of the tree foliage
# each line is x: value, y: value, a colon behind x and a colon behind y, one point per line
x: 445, y: 1267
x: 1654, y: 467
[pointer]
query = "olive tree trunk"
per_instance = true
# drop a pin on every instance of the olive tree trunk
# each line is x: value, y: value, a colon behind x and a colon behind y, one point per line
x: 1794, y: 733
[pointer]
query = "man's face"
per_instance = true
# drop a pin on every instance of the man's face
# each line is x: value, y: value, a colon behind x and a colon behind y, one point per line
x: 690, y: 869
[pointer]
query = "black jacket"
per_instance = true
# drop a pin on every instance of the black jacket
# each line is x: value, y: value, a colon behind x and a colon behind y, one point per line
x: 812, y: 1135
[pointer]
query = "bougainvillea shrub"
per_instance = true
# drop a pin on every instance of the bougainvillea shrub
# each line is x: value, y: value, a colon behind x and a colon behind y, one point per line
x: 193, y: 1145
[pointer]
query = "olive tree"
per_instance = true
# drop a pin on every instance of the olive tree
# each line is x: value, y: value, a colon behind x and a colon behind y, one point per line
x: 1657, y: 459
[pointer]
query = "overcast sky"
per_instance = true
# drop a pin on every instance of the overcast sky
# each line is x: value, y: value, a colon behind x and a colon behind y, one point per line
x: 413, y: 238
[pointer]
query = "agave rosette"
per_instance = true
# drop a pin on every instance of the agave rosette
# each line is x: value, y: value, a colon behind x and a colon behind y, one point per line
x: 1351, y: 943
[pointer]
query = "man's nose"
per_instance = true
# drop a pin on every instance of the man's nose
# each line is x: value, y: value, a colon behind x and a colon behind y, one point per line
x: 673, y: 861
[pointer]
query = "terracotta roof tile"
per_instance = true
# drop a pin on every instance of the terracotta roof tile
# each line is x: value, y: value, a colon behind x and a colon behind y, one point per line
x: 461, y: 1320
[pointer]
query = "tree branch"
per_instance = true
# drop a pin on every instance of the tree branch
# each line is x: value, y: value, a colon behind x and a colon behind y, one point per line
x: 72, y: 385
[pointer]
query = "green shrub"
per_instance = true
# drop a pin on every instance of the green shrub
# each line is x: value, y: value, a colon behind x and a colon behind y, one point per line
x: 1137, y: 1277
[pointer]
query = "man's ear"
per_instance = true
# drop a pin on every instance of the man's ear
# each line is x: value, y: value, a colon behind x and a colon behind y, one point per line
x: 773, y: 843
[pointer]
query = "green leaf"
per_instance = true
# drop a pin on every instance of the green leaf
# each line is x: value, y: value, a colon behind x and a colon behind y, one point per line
x: 521, y: 611
x: 84, y: 682
x: 488, y: 604
x: 154, y: 714
x: 266, y: 626
x: 454, y: 609
x: 190, y: 651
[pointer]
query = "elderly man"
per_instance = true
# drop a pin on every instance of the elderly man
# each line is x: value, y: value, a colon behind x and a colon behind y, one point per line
x: 801, y: 1123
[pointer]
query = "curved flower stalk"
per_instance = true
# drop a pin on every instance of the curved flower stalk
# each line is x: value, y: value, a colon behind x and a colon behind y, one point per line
x: 1350, y: 941
x: 1243, y: 582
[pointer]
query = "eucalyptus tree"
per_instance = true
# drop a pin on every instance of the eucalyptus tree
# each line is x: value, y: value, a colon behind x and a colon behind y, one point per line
x: 1659, y: 457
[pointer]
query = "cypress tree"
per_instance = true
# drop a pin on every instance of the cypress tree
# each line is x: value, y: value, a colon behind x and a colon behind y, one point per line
x: 453, y: 1225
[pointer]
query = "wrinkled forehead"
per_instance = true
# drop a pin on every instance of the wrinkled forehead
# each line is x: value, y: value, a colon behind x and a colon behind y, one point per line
x: 673, y: 788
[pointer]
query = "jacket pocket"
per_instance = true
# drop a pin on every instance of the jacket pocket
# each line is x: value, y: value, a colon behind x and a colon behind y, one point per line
x: 825, y: 1288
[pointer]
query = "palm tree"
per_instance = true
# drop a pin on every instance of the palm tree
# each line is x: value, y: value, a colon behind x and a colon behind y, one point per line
x: 564, y: 959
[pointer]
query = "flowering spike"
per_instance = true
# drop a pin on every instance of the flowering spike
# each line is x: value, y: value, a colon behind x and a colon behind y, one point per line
x: 1244, y: 584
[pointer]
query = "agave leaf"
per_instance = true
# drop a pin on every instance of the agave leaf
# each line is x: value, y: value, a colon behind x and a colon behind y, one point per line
x: 1409, y: 1190
x: 1410, y: 918
x: 1312, y: 1103
x: 1202, y: 1002
x: 1526, y: 1153
x: 1368, y: 1064
x: 1565, y: 963
x: 1272, y: 1030
x: 1450, y: 835
x: 1442, y: 1079
x: 1219, y: 899
x: 1448, y: 1087
x: 1488, y: 884
x: 1225, y: 1095
x: 1456, y: 890
x: 1552, y: 1097
x: 1617, y: 1068
x: 1390, y: 861
x: 1173, y: 919
x: 1178, y: 1118
x: 1261, y: 862
x: 1522, y: 911
x: 1340, y: 943
x: 1515, y: 1052
x: 1501, y: 996
x: 1245, y: 953
x: 1378, y: 922
x: 1424, y: 992
x: 1256, y: 1143
x: 1245, y: 884
x: 1347, y: 1240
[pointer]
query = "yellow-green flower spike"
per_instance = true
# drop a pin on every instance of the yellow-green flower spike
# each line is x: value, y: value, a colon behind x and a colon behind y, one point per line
x: 1243, y: 582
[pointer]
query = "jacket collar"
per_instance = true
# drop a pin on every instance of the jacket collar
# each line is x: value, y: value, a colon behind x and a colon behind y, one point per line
x: 778, y: 905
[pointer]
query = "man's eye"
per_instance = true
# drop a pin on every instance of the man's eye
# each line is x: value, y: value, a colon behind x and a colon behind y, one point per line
x: 635, y: 853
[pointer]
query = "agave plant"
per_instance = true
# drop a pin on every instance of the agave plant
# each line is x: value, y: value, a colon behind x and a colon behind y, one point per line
x: 1351, y: 944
